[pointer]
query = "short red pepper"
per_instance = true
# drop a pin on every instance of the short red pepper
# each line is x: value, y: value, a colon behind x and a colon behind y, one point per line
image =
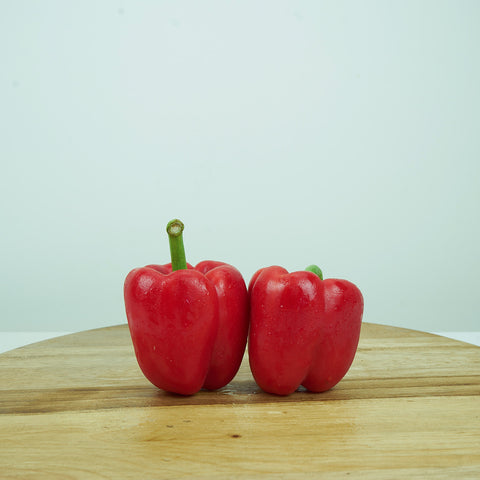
x: 188, y: 325
x: 303, y: 330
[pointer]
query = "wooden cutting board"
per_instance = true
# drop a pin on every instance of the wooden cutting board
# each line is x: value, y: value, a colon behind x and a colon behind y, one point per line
x: 78, y: 407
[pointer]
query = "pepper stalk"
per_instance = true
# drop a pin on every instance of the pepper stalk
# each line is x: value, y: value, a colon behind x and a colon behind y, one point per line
x: 316, y: 270
x: 177, y: 250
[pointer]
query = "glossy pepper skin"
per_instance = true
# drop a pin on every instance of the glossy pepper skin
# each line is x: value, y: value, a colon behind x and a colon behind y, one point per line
x: 303, y: 330
x: 188, y: 326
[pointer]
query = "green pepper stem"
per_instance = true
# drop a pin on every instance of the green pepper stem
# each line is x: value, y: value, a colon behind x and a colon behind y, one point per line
x: 316, y: 270
x: 177, y: 250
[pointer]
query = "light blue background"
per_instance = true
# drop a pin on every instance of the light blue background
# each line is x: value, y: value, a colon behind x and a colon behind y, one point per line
x: 281, y: 132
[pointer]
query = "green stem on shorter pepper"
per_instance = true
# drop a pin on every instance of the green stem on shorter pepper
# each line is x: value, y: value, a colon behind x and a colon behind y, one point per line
x: 177, y: 250
x: 316, y: 270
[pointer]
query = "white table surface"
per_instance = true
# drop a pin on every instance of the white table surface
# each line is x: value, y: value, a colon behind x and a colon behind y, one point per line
x: 11, y: 340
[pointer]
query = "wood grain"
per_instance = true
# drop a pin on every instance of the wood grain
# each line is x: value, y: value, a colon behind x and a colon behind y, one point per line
x: 78, y: 407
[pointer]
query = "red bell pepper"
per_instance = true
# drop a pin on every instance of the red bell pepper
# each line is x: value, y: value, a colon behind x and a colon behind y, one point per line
x: 303, y: 330
x: 188, y: 325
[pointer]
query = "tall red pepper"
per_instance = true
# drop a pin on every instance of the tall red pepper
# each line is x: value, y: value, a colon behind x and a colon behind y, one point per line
x: 303, y: 330
x: 188, y: 324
